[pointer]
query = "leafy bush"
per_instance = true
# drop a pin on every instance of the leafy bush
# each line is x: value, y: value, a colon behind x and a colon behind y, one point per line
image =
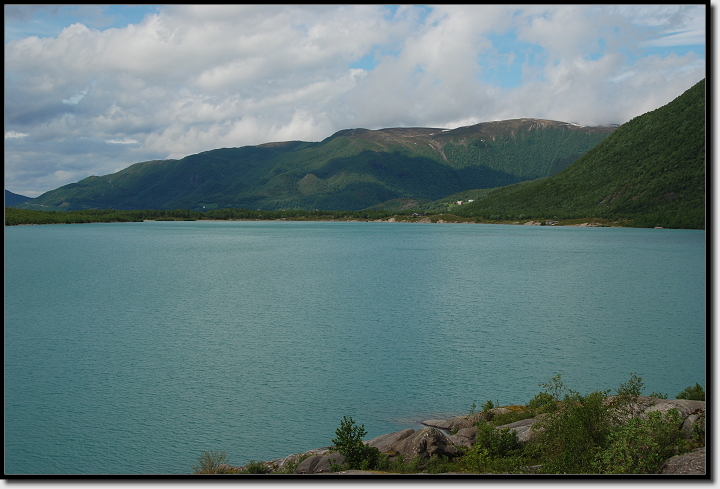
x: 440, y: 464
x: 210, y: 462
x: 348, y: 442
x: 494, y: 451
x: 541, y: 400
x: 413, y: 466
x: 498, y: 443
x: 698, y: 433
x: 693, y: 393
x: 641, y: 445
x: 589, y: 435
x: 573, y: 435
x: 290, y: 467
x: 555, y: 388
x: 487, y: 408
x: 507, y: 418
x: 625, y: 402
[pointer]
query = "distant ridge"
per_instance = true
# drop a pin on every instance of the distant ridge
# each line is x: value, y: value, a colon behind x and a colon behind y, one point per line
x: 13, y: 199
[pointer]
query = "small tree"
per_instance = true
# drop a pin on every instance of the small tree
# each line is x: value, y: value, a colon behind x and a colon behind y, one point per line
x: 349, y: 444
x: 626, y: 405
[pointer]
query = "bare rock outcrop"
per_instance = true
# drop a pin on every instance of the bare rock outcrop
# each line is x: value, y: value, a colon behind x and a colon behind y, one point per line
x: 523, y: 428
x: 319, y: 464
x: 468, y: 421
x: 465, y: 437
x: 385, y: 443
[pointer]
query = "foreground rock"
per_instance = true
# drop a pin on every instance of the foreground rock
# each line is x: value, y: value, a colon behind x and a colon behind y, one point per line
x: 319, y: 464
x: 687, y: 463
x: 424, y: 444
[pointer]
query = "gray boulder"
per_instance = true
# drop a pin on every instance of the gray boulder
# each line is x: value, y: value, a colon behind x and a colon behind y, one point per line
x: 685, y: 407
x: 319, y: 464
x: 443, y: 424
x: 687, y: 463
x: 280, y: 464
x: 425, y: 443
x: 523, y: 428
x: 384, y: 443
x: 465, y: 437
x: 644, y: 404
x: 454, y: 424
x: 468, y: 421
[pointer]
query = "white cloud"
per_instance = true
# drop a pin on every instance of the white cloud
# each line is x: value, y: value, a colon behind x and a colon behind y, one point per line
x: 187, y: 79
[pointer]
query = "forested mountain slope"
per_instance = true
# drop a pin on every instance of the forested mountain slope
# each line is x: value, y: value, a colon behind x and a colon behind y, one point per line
x: 351, y: 170
x: 12, y: 199
x: 649, y: 172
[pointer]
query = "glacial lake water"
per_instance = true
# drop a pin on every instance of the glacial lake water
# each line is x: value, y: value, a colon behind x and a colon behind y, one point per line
x: 132, y: 348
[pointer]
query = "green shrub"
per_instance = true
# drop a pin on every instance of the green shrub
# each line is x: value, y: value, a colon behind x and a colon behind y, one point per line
x: 573, y: 435
x: 698, y: 433
x: 625, y: 403
x: 693, y: 393
x: 555, y: 388
x: 487, y: 409
x: 209, y: 462
x: 413, y: 466
x: 254, y: 468
x: 507, y: 418
x: 494, y: 451
x: 540, y: 401
x: 498, y: 443
x: 440, y: 464
x: 479, y: 460
x: 641, y: 445
x: 290, y: 467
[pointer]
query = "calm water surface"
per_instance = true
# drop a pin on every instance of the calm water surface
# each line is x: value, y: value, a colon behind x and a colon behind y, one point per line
x: 132, y: 348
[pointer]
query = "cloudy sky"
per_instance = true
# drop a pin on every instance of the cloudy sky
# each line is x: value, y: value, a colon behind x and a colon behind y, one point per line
x: 90, y: 90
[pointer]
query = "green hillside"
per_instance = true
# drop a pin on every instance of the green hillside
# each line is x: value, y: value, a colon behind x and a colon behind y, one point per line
x: 649, y: 172
x: 351, y: 170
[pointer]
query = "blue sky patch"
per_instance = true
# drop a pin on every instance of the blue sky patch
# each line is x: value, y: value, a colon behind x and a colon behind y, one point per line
x: 511, y: 61
x: 367, y: 62
x: 49, y: 20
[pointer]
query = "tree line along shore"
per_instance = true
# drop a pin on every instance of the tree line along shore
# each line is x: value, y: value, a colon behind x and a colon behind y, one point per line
x: 15, y: 217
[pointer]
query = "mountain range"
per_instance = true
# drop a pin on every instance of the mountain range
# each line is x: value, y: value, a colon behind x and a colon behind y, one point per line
x: 351, y: 170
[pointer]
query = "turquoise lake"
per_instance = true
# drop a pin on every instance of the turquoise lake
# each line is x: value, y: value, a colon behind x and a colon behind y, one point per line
x: 132, y: 348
